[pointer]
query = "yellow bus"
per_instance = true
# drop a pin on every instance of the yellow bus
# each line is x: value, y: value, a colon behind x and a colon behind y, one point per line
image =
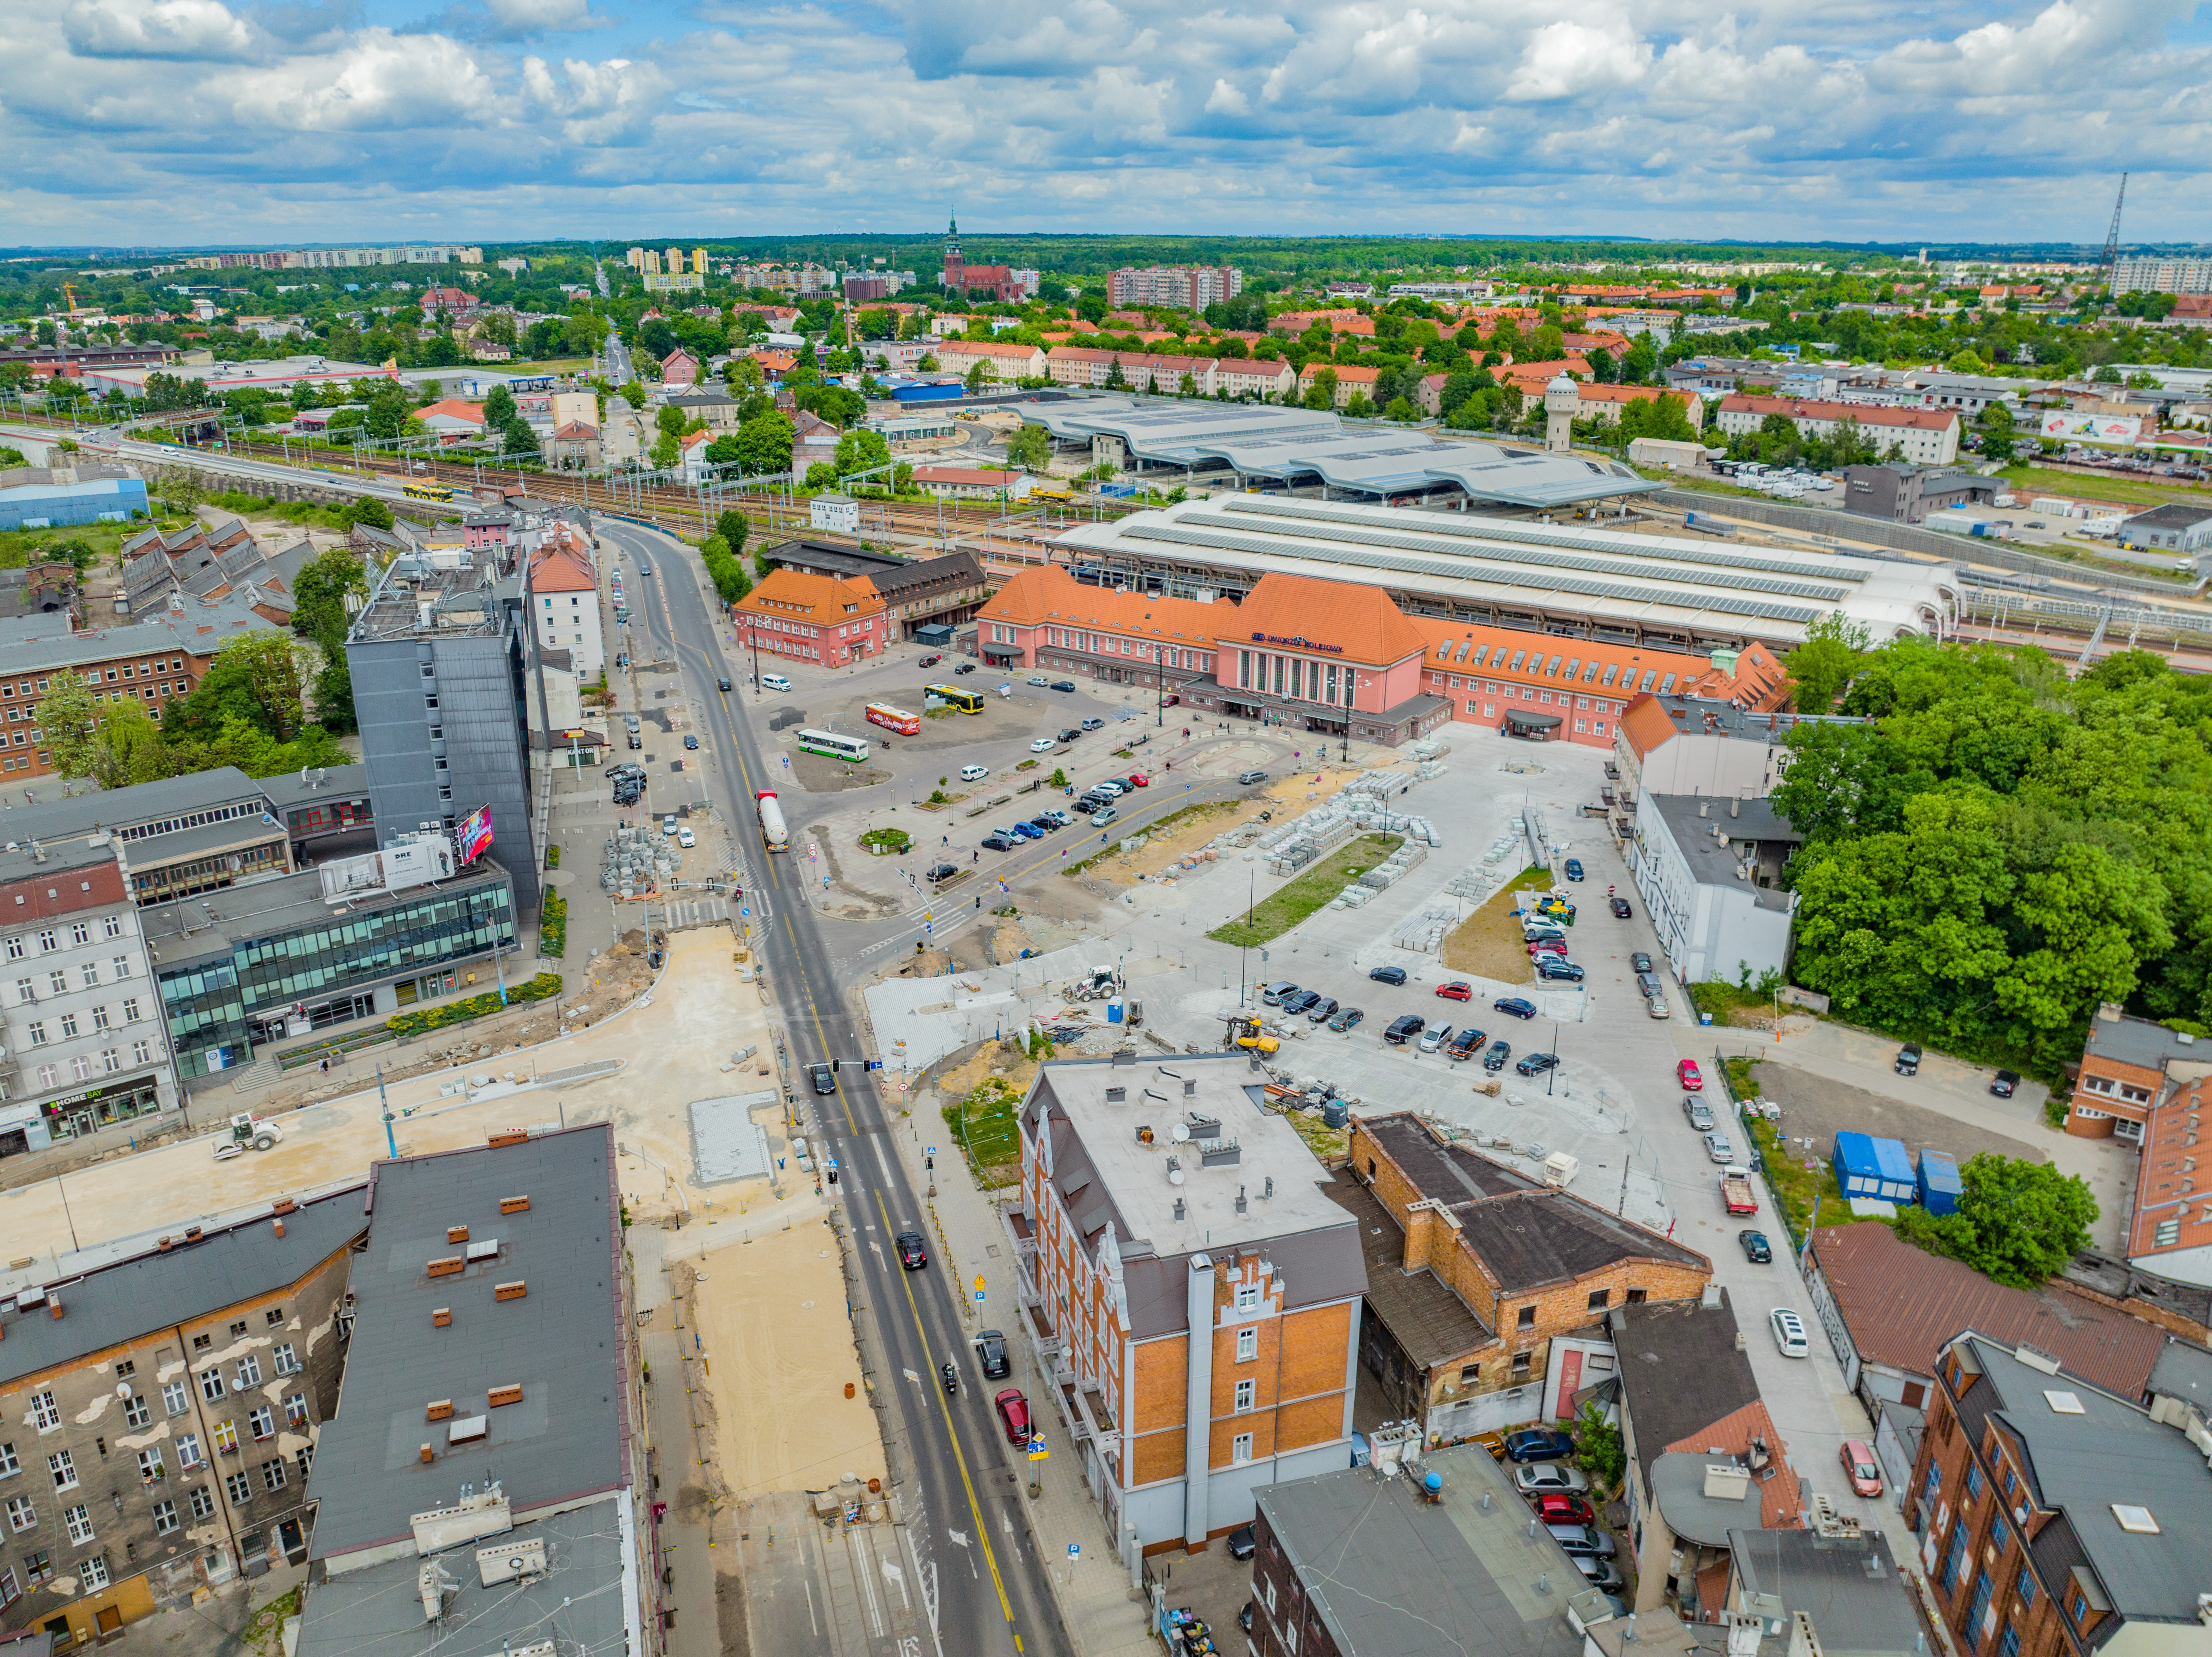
x: 428, y: 492
x: 968, y: 702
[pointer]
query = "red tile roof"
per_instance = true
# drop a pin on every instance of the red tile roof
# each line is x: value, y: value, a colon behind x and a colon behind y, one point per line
x: 1359, y: 619
x: 1866, y: 415
x: 825, y: 601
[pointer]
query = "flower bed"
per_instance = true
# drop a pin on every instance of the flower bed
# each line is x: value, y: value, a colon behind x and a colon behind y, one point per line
x: 473, y: 1007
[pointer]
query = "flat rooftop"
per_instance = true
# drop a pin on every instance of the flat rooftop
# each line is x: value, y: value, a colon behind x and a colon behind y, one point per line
x: 216, y: 922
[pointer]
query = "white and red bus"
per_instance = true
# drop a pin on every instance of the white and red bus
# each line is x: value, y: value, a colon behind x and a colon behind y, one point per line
x: 894, y: 719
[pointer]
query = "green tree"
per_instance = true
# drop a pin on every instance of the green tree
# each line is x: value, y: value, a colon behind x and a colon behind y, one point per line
x: 319, y: 595
x: 498, y: 407
x: 256, y: 679
x: 388, y: 411
x: 1998, y: 440
x: 521, y: 441
x: 733, y: 526
x: 1321, y: 393
x: 974, y: 379
x: 69, y: 715
x: 820, y: 476
x: 1400, y: 409
x: 2019, y: 1222
x: 1823, y: 665
x: 1030, y: 448
x: 1598, y: 1445
x: 764, y: 443
x: 366, y: 509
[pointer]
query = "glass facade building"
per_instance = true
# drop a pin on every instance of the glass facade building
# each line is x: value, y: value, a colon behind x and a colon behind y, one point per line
x: 217, y: 1008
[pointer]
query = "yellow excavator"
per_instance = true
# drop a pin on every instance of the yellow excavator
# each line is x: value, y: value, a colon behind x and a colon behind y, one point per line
x: 1244, y: 1032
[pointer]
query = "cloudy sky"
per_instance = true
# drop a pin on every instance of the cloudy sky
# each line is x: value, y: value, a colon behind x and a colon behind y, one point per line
x: 274, y: 120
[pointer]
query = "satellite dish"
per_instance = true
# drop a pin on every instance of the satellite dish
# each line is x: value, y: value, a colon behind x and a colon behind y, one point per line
x: 1174, y: 1175
x: 123, y: 1389
x: 1179, y: 1133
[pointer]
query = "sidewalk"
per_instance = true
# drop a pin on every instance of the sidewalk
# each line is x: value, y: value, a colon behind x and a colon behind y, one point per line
x: 1104, y: 1616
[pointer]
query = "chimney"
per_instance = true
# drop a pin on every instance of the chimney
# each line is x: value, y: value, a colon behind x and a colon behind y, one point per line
x: 55, y: 1301
x: 426, y: 1455
x: 276, y: 1225
x: 439, y: 1409
x: 1704, y: 808
x: 457, y: 1233
x: 442, y: 1318
x: 1735, y: 807
x: 284, y: 1205
x: 510, y: 1393
x: 514, y: 1205
x: 2108, y: 1012
x: 513, y: 1291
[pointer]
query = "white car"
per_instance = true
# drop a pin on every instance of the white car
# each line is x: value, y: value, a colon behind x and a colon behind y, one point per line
x: 1042, y: 745
x: 1548, y: 1478
x: 686, y: 838
x: 973, y: 773
x: 1789, y: 1332
x: 1039, y: 679
x: 1717, y: 1146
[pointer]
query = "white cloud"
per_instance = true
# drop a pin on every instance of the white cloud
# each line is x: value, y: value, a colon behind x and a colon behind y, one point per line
x: 1227, y: 100
x: 519, y: 19
x: 1566, y: 60
x: 172, y: 29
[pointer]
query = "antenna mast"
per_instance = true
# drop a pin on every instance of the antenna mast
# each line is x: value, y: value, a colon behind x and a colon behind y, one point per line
x: 2110, y: 263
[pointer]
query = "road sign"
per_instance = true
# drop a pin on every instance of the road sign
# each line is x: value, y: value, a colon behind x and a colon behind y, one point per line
x: 745, y: 912
x: 875, y: 1065
x: 1075, y: 1550
x: 832, y: 1164
x: 979, y: 1275
x: 1037, y: 1441
x: 929, y: 1150
x: 979, y: 1297
x: 1038, y: 1455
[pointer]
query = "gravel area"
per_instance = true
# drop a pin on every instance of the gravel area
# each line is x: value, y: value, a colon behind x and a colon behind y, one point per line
x: 1817, y: 1107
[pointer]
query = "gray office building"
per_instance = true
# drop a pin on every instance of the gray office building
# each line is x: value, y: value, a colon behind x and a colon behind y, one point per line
x: 437, y: 657
x: 1906, y: 495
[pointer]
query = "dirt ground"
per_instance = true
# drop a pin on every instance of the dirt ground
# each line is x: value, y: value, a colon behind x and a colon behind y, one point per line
x: 1818, y: 1108
x: 1284, y: 799
x: 1488, y: 942
x: 771, y: 1313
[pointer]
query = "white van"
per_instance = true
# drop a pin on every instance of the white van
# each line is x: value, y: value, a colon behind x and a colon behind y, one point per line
x: 774, y: 682
x: 973, y: 773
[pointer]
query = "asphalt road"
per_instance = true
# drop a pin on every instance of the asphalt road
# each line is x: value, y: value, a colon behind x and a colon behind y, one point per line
x: 961, y: 1496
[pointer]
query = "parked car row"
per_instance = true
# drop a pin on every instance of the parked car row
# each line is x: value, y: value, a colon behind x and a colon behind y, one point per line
x: 1558, y: 1496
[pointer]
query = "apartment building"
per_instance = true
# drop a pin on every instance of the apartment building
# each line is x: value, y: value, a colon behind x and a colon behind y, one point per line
x: 2054, y: 1517
x: 1190, y: 1290
x: 824, y: 620
x: 1348, y: 381
x: 1722, y: 733
x: 2169, y: 1223
x: 1928, y: 437
x: 2161, y: 275
x: 1487, y: 1289
x: 163, y: 1401
x: 1182, y: 287
x: 998, y: 361
x: 1710, y: 873
x: 563, y: 595
x: 2126, y: 1063
x: 84, y: 1044
x: 1245, y: 377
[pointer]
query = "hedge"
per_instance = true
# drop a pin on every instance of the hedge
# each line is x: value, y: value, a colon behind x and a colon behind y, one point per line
x: 553, y: 927
x: 474, y: 1006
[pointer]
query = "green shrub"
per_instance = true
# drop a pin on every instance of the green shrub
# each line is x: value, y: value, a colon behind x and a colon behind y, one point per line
x: 552, y: 857
x: 892, y: 839
x: 553, y: 927
x: 472, y: 1007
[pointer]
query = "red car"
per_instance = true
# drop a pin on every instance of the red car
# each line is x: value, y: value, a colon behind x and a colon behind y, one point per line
x: 1547, y: 947
x: 1860, y: 1468
x: 1559, y: 1507
x: 1138, y: 780
x: 1690, y: 1076
x: 1014, y: 1411
x: 1458, y: 989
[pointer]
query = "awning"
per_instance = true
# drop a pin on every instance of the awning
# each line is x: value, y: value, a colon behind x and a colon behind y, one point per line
x: 1532, y: 722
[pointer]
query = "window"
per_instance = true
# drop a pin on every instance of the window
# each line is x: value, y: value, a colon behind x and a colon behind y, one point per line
x: 262, y: 1419
x: 249, y: 1371
x: 2027, y: 1588
x: 188, y: 1451
x: 1599, y: 1299
x: 142, y: 1052
x: 1977, y: 1611
x: 1247, y: 1394
x: 202, y: 1340
x: 1636, y: 1296
x: 121, y: 966
x: 130, y: 1013
x: 203, y: 1500
x: 174, y: 1398
x: 224, y: 1436
x: 114, y: 926
x: 1248, y: 1298
x: 1953, y: 1560
x: 211, y: 1384
x: 10, y: 1590
x: 304, y: 1458
x: 79, y: 1521
x: 285, y: 1359
x: 1975, y: 1482
x: 2000, y: 1537
x: 272, y: 1474
x: 240, y: 1488
x: 238, y: 1329
x: 88, y: 975
x: 38, y: 1566
x: 44, y: 1412
x: 69, y: 1026
x: 1526, y: 1318
x: 80, y: 933
x: 1470, y: 1374
x: 1240, y: 1449
x: 22, y: 1515
x: 8, y: 1465
x: 295, y: 1409
x: 37, y: 1032
x: 63, y: 1468
x: 2009, y: 1646
x: 57, y: 983
x: 48, y: 941
x: 165, y: 1517
x: 2079, y: 1607
x: 150, y: 1464
x: 276, y: 1316
x: 135, y: 1411
x: 1521, y: 1361
x: 93, y: 1573
x: 1247, y: 1345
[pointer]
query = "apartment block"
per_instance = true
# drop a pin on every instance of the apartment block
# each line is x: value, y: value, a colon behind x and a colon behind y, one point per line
x: 1183, y: 287
x: 1190, y: 1291
x: 1486, y: 1290
x: 161, y: 1408
x: 2054, y: 1517
x: 84, y: 1044
x: 2126, y: 1063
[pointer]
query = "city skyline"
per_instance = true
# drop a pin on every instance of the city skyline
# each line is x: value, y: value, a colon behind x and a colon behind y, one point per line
x: 199, y: 122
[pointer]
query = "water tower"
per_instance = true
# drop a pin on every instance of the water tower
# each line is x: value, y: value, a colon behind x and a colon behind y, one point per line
x: 1561, y: 403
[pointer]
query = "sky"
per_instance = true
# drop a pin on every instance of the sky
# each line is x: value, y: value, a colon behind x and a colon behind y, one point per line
x: 259, y: 122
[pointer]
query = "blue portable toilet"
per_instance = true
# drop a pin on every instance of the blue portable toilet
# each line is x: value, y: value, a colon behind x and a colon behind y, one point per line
x: 1895, y: 1167
x: 1939, y: 1188
x: 1858, y: 1173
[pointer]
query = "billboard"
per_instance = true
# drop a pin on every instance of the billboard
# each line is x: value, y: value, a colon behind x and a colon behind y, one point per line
x: 2093, y: 428
x: 473, y: 838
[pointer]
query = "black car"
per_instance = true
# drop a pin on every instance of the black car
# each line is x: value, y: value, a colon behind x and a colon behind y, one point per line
x: 1242, y: 1544
x: 690, y: 742
x: 1388, y: 975
x: 1324, y: 1007
x: 991, y: 1350
x: 969, y: 667
x: 1069, y: 735
x: 931, y: 661
x: 1639, y: 962
x: 1755, y: 1247
x: 1538, y: 1444
x: 913, y: 1254
x: 996, y: 842
x: 2005, y: 1084
x: 1536, y: 1063
x: 722, y: 683
x: 1499, y: 1052
x: 1621, y: 912
x: 1514, y: 1004
x: 1345, y: 1018
x: 942, y: 873
x: 1294, y: 1005
x: 1044, y: 825
x: 1466, y: 1044
x: 1551, y: 967
x: 1574, y: 869
x: 1403, y: 1029
x: 824, y: 1078
x: 1063, y: 684
x: 1908, y: 1059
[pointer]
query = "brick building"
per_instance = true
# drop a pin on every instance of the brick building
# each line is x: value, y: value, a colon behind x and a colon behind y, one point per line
x: 2169, y: 1223
x: 2054, y: 1518
x: 1922, y: 437
x: 163, y: 1409
x: 826, y: 620
x: 2126, y: 1063
x: 1193, y: 1294
x: 1475, y: 1272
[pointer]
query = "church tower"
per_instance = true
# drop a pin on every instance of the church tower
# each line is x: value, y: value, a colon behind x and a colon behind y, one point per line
x: 955, y: 278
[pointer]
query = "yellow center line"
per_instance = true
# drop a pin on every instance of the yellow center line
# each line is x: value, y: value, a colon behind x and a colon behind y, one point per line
x: 952, y: 1431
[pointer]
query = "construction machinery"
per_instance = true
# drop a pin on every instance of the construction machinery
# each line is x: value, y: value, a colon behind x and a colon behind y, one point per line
x: 1245, y: 1031
x: 248, y: 1131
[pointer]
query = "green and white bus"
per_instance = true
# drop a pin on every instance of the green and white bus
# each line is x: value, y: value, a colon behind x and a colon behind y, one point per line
x: 836, y: 744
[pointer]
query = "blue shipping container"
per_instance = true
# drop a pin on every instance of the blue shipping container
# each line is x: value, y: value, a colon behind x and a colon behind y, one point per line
x: 1858, y: 1173
x: 1896, y: 1169
x: 952, y: 391
x: 1939, y: 1188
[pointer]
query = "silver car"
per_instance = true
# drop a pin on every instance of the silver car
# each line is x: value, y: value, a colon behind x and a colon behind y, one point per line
x: 1435, y: 1037
x: 1717, y: 1146
x: 1700, y: 1113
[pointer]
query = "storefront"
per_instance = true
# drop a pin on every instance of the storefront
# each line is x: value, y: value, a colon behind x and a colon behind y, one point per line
x: 1531, y: 727
x: 87, y: 1112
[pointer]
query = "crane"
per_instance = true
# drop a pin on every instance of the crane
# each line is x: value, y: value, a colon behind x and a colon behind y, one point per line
x: 2109, y: 264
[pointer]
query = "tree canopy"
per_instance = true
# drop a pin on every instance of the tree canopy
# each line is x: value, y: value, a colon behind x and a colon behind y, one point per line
x: 2017, y: 1222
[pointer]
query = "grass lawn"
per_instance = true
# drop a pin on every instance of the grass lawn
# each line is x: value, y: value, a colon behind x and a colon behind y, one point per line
x: 2098, y: 486
x: 1307, y: 891
x: 984, y: 1124
x: 1795, y: 1186
x: 1489, y: 942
